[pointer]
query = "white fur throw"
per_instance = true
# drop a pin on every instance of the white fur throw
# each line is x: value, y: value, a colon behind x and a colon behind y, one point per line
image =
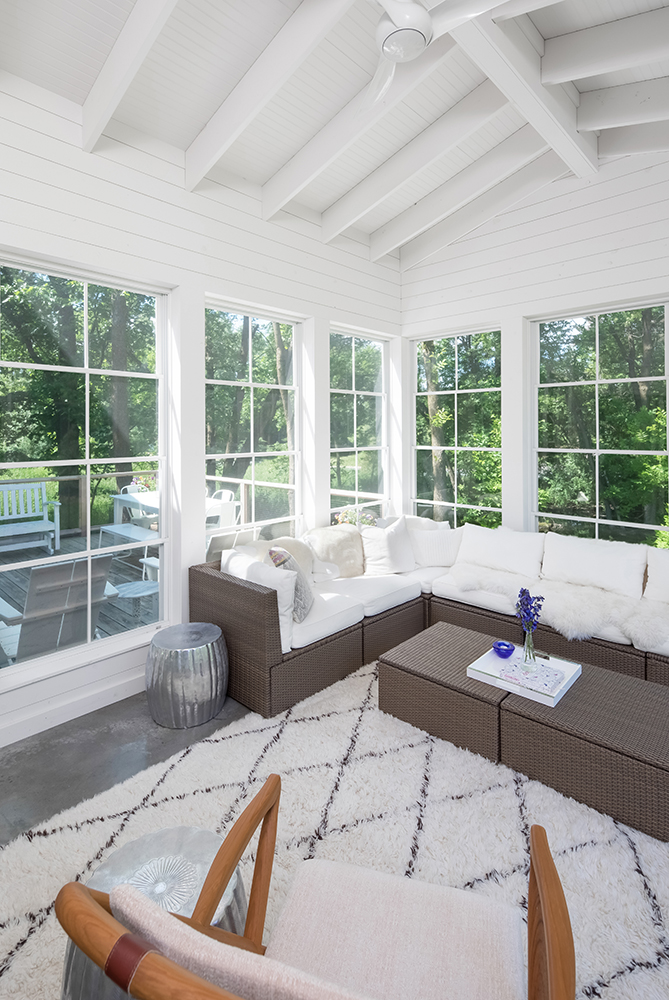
x: 340, y: 544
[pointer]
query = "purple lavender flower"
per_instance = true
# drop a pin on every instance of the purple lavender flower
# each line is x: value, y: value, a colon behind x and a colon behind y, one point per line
x: 528, y: 609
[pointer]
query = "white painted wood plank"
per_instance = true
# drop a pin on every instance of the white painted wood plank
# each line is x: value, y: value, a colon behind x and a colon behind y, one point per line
x: 606, y: 48
x: 484, y: 173
x: 289, y: 48
x: 510, y: 191
x: 634, y: 139
x: 430, y: 145
x: 512, y: 63
x: 138, y: 34
x: 514, y: 8
x: 631, y: 104
x: 345, y: 128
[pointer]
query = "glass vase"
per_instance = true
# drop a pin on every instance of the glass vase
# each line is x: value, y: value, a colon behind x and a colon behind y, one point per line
x: 529, y: 656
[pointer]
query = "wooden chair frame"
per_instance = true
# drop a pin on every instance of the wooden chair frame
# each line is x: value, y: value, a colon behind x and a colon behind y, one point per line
x: 86, y: 917
x: 85, y: 914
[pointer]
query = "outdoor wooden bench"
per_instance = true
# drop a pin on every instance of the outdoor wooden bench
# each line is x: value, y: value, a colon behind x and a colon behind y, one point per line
x: 24, y: 518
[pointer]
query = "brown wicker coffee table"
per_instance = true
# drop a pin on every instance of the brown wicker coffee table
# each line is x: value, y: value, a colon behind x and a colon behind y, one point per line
x: 424, y: 681
x: 606, y: 743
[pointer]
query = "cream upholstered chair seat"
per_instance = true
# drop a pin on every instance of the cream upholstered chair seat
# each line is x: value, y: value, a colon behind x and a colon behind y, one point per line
x: 382, y: 936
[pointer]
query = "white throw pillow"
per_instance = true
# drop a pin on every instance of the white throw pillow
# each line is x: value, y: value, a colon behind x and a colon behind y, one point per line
x: 657, y: 587
x: 501, y: 548
x: 435, y: 548
x: 594, y: 562
x: 246, y: 567
x: 299, y: 550
x: 340, y: 544
x: 242, y: 973
x: 387, y: 550
x: 414, y: 523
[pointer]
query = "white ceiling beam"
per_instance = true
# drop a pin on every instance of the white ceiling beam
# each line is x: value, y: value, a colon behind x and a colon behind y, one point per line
x: 510, y: 60
x: 461, y: 121
x: 607, y: 48
x: 284, y: 55
x: 143, y: 25
x: 634, y: 139
x: 514, y: 8
x: 482, y: 174
x: 502, y: 197
x: 630, y: 104
x: 450, y: 13
x: 343, y: 130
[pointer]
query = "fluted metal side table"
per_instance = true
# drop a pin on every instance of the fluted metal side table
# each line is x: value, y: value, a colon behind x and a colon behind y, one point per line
x: 186, y: 674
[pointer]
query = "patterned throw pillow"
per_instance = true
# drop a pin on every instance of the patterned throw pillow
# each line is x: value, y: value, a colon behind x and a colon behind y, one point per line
x: 304, y: 597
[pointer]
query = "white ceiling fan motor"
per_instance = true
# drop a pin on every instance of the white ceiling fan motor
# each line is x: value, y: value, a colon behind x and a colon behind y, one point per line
x: 406, y: 34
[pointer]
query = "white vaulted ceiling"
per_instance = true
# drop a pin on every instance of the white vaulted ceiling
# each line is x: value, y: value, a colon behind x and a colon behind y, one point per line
x: 265, y: 96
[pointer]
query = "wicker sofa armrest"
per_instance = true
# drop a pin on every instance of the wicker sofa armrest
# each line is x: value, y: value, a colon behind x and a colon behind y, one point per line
x: 247, y: 614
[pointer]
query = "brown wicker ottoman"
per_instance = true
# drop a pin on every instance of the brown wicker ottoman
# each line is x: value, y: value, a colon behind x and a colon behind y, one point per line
x: 424, y: 681
x: 606, y: 743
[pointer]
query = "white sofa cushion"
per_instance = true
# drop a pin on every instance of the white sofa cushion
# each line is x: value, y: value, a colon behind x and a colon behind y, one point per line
x: 375, y: 593
x: 517, y: 552
x: 435, y: 548
x: 415, y: 523
x: 618, y: 567
x: 242, y: 973
x: 329, y: 614
x: 297, y: 548
x: 424, y: 575
x: 340, y: 544
x: 657, y: 585
x: 445, y: 586
x: 387, y: 550
x: 246, y: 567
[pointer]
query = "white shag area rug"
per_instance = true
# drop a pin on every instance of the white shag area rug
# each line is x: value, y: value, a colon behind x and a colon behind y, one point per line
x: 364, y: 787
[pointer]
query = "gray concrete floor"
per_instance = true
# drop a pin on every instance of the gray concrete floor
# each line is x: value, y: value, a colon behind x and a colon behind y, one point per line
x: 43, y: 774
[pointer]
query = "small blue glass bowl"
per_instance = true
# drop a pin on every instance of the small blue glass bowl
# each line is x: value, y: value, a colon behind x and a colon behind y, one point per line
x: 502, y: 648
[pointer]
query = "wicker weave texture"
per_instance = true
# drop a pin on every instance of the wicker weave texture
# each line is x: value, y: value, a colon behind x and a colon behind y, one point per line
x: 439, y: 710
x: 490, y: 623
x: 602, y: 653
x: 629, y: 790
x: 657, y: 668
x: 390, y: 628
x: 303, y: 672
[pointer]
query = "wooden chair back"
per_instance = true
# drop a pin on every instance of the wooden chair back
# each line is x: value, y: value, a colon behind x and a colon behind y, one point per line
x: 551, y: 972
x: 86, y: 917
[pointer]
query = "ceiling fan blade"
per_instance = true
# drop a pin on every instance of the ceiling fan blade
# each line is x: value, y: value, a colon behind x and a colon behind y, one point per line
x: 379, y: 86
x: 451, y: 13
x: 393, y: 8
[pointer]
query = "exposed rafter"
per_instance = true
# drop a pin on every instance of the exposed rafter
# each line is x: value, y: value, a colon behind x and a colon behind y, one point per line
x: 343, y: 130
x: 461, y: 121
x: 650, y: 138
x: 606, y: 48
x: 289, y: 48
x: 514, y: 8
x: 450, y: 13
x: 509, y: 59
x: 482, y: 174
x: 145, y: 22
x: 630, y: 104
x: 505, y: 195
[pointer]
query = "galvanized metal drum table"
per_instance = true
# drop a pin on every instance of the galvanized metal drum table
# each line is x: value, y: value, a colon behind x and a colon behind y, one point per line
x: 186, y: 674
x: 170, y: 867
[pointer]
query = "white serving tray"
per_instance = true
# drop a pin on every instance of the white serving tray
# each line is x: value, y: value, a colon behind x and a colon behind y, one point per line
x: 545, y: 685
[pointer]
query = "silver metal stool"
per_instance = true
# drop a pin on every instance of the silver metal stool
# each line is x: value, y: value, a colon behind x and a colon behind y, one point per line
x: 186, y: 675
x: 170, y: 867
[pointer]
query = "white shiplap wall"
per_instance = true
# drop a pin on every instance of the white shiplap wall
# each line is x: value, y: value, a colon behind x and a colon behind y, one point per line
x: 123, y: 212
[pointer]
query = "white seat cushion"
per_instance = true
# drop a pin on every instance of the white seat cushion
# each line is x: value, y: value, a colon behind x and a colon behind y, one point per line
x: 386, y: 936
x: 424, y: 575
x: 445, y: 586
x: 375, y: 593
x: 328, y: 614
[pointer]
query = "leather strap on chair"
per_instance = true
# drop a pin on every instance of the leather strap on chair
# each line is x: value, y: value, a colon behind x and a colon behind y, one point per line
x: 124, y: 958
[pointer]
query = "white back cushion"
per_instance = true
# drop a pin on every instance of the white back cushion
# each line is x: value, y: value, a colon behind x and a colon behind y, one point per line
x: 657, y: 587
x: 340, y: 544
x: 435, y: 548
x: 500, y: 548
x: 243, y: 973
x: 387, y: 550
x: 594, y: 562
x: 246, y: 567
